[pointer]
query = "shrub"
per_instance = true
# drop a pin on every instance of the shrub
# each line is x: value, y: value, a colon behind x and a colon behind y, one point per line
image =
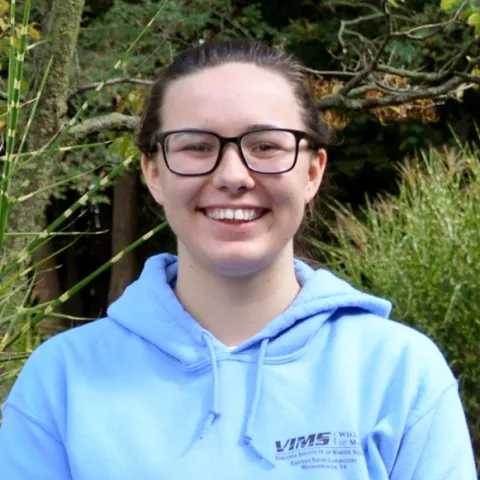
x: 420, y: 249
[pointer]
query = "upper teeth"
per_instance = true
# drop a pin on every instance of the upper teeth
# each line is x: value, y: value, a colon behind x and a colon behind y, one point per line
x: 232, y: 214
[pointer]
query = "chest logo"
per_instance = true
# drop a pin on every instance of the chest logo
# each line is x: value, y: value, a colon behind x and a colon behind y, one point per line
x: 335, y: 450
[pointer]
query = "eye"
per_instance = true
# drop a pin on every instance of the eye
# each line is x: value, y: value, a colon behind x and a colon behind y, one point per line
x: 199, y: 148
x: 264, y: 147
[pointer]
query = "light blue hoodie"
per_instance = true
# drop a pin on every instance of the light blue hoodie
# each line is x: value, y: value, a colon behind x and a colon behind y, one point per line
x: 330, y: 389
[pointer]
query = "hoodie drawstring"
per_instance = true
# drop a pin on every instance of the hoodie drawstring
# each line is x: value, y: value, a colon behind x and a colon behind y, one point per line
x: 247, y: 436
x: 214, y: 412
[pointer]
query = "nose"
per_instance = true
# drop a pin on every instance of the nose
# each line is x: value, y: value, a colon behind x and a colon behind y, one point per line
x: 232, y: 173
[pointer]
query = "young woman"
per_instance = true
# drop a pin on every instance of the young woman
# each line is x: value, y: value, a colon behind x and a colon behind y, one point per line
x: 234, y: 360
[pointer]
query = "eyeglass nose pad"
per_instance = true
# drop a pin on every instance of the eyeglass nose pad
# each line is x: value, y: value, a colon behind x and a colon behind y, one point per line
x: 233, y: 173
x: 237, y: 149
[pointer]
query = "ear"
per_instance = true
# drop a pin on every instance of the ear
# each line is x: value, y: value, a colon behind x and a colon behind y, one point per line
x: 151, y: 174
x: 316, y: 170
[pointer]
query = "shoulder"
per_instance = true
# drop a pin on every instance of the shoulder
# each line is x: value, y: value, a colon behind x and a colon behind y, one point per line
x: 379, y: 335
x: 78, y: 340
x: 388, y: 355
x: 45, y: 371
x: 390, y: 349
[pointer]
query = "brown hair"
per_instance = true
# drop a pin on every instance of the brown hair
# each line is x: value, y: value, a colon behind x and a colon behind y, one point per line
x: 217, y: 53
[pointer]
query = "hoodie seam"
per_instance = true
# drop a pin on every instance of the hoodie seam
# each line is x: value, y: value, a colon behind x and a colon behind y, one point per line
x: 430, y: 407
x: 171, y: 358
x: 31, y: 418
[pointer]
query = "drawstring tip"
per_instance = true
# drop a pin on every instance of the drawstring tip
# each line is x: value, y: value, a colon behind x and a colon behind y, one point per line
x: 247, y: 440
x: 211, y: 419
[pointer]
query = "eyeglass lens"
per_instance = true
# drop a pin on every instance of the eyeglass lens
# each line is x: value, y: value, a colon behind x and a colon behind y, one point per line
x: 268, y: 151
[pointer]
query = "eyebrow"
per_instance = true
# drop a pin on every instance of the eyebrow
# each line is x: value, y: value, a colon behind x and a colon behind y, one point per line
x: 257, y: 126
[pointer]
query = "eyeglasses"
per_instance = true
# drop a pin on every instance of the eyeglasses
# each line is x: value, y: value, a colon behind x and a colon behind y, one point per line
x: 194, y: 152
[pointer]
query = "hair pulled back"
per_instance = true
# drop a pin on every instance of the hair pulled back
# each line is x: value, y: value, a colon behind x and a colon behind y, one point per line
x: 216, y: 53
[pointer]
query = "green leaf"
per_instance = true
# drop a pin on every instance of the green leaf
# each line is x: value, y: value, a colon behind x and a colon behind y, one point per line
x: 3, y: 25
x: 4, y: 7
x: 466, y: 13
x: 474, y: 21
x: 34, y: 32
x: 448, y: 4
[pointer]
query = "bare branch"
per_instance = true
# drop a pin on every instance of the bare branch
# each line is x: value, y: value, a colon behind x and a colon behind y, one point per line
x: 340, y: 3
x: 354, y: 92
x: 345, y: 23
x: 113, y: 121
x: 112, y: 81
x: 470, y: 77
x: 326, y: 73
x: 438, y: 27
x: 450, y: 66
x: 338, y: 101
x: 428, y: 77
x: 369, y: 68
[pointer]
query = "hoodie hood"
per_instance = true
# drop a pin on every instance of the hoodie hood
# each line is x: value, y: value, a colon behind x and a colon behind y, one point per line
x: 150, y: 309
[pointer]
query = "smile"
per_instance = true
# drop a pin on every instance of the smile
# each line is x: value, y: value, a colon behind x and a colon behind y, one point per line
x: 237, y: 214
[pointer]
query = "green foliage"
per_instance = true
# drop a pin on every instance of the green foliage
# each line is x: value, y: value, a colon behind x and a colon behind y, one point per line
x: 19, y: 318
x: 474, y: 21
x: 449, y: 4
x: 180, y: 24
x: 420, y: 249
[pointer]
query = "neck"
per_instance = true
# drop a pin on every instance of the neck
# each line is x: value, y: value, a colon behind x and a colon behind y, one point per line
x: 234, y: 309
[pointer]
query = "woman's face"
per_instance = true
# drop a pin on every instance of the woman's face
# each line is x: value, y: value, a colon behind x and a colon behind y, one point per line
x: 229, y: 100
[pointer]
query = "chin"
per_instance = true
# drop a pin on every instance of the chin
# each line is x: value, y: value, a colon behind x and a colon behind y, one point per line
x: 239, y: 262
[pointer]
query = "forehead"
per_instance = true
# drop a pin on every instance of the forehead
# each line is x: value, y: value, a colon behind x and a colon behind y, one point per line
x: 229, y: 97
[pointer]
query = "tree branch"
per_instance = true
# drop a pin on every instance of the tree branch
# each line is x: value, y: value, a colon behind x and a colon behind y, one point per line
x: 354, y: 4
x: 438, y: 27
x: 338, y: 101
x: 450, y: 66
x: 112, y: 81
x: 369, y: 68
x: 470, y: 77
x: 326, y: 73
x: 428, y: 77
x: 113, y: 121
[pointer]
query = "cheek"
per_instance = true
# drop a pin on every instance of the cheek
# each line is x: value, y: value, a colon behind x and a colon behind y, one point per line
x: 179, y: 195
x: 290, y: 190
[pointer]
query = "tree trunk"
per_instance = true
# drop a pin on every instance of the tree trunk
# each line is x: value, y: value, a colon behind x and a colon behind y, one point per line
x: 47, y: 285
x: 123, y: 233
x: 61, y: 26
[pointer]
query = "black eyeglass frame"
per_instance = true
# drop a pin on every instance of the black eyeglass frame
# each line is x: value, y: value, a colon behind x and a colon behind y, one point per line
x: 299, y: 135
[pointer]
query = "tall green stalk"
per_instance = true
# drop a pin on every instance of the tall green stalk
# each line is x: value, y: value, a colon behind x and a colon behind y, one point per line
x: 15, y: 77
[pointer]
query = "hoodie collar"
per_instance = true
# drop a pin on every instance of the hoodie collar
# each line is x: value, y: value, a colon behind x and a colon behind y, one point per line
x: 150, y: 309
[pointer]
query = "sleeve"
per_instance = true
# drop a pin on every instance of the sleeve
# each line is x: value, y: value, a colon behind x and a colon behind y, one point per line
x: 28, y: 450
x: 34, y: 417
x: 437, y: 446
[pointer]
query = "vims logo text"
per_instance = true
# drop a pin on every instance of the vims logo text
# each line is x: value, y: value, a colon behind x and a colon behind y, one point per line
x: 312, y: 440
